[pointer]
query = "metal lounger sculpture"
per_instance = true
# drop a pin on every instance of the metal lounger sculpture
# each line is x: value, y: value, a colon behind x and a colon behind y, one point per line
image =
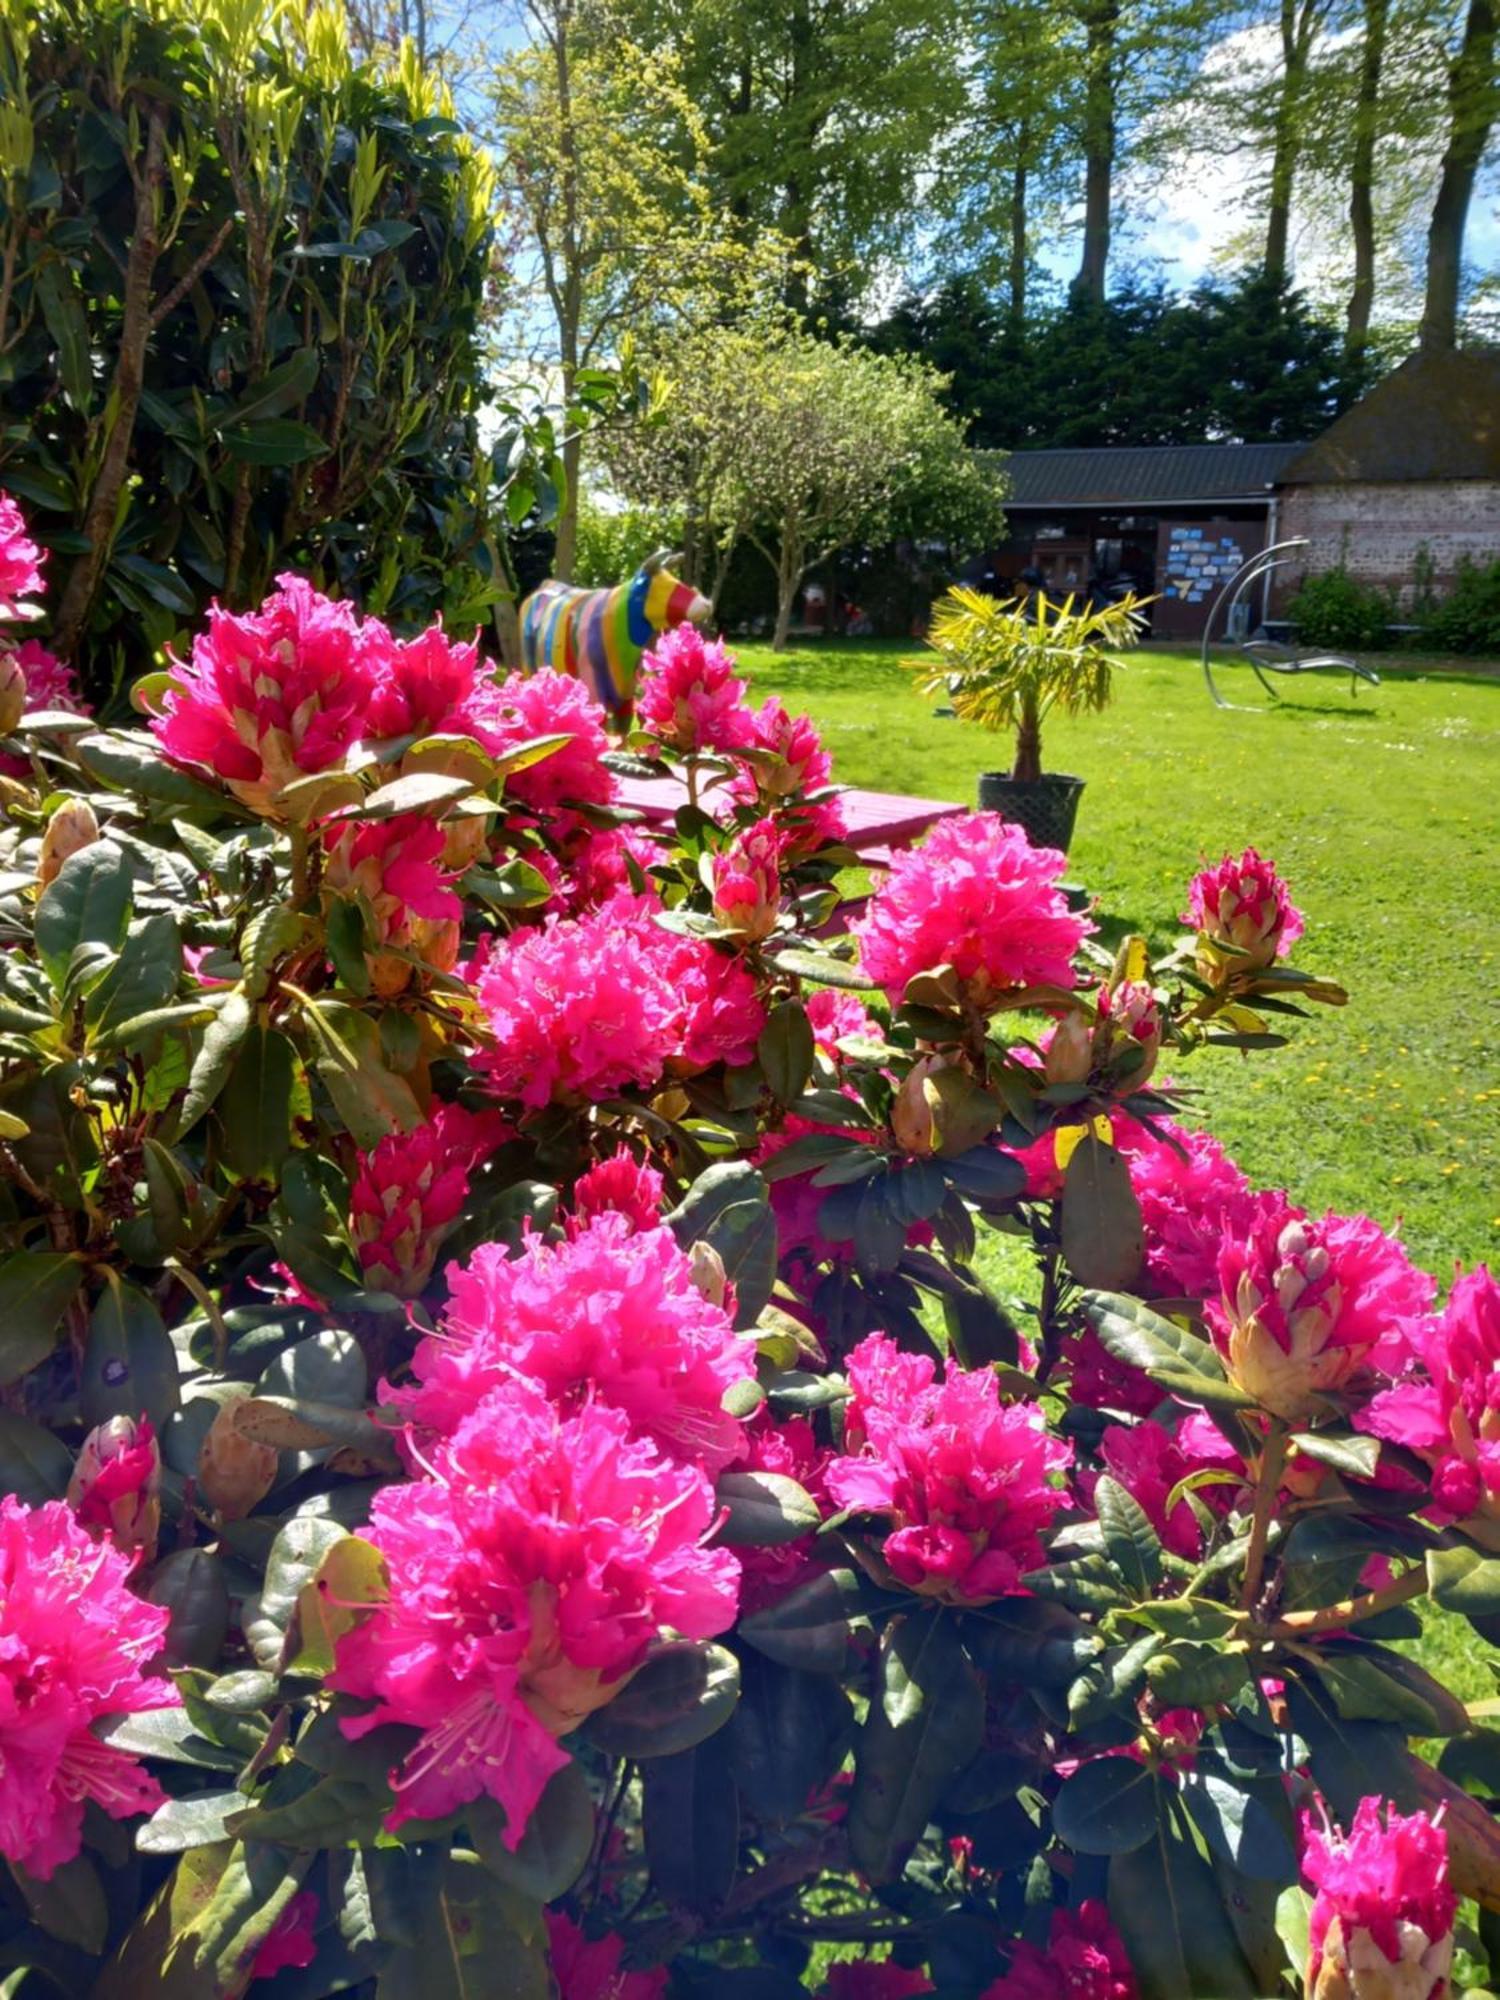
x: 1267, y: 655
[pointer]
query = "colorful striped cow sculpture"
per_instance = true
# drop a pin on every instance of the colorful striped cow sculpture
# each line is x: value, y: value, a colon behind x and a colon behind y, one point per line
x: 600, y: 635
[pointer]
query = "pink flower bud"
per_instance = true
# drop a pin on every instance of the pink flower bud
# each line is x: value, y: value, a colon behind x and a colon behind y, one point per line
x: 396, y: 866
x: 409, y: 1191
x: 1243, y: 903
x: 1128, y: 1037
x: 71, y: 828
x: 689, y: 697
x: 115, y: 1485
x: 747, y: 882
x: 1070, y: 1053
x: 916, y: 1113
x: 1381, y: 1926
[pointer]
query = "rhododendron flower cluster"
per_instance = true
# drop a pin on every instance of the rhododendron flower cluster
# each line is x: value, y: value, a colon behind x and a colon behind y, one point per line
x: 1190, y: 1193
x: 1084, y: 1959
x: 611, y: 1313
x: 426, y: 686
x: 584, y: 1006
x: 589, y: 1968
x: 747, y: 882
x: 1381, y: 1926
x: 20, y: 563
x: 1449, y: 1413
x: 73, y: 1641
x: 525, y: 706
x: 271, y: 696
x: 1243, y: 903
x: 115, y: 1489
x: 978, y: 897
x: 689, y: 697
x: 529, y: 1576
x: 410, y: 1189
x: 622, y: 1185
x: 791, y: 1450
x: 50, y: 682
x: 1306, y: 1305
x: 966, y: 1479
x: 396, y: 865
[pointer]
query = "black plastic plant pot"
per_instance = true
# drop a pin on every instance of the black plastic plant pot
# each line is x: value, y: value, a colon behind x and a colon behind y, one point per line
x: 1044, y: 808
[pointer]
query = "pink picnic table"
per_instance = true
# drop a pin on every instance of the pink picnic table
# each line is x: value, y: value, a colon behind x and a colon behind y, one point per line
x: 878, y: 823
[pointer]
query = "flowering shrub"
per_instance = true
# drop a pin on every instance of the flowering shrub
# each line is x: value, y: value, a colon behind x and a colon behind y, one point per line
x: 513, y: 1479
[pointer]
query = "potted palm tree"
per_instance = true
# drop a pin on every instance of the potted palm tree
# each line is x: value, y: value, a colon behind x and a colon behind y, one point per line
x: 1006, y: 665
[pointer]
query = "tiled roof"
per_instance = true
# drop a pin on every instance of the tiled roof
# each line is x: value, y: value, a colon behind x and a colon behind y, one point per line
x: 1437, y: 416
x: 1142, y: 475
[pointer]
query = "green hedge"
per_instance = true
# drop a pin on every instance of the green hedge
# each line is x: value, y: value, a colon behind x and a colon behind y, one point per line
x: 241, y: 287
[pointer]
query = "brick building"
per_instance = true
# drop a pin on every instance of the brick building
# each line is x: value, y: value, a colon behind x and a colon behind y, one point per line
x: 1404, y: 486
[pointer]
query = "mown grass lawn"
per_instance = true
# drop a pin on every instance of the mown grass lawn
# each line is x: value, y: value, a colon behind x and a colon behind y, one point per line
x: 1383, y: 812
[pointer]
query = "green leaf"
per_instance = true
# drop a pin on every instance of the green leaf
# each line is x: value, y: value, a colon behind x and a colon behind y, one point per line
x: 416, y: 792
x: 65, y: 320
x: 786, y: 1048
x: 1108, y: 1806
x: 685, y: 1691
x: 167, y: 1194
x: 1140, y: 1338
x: 215, y: 1059
x: 346, y: 947
x: 1026, y: 1639
x: 764, y: 1509
x: 1247, y: 1824
x: 924, y: 1724
x: 823, y: 970
x: 812, y: 1627
x: 690, y: 1810
x: 168, y: 1736
x: 143, y: 978
x: 1462, y: 1580
x: 327, y: 1814
x: 788, y: 1734
x: 208, y: 1920
x: 1103, y: 1237
x: 36, y: 1288
x: 88, y: 902
x: 129, y: 1364
x: 281, y: 387
x: 1130, y: 1541
x: 327, y: 1367
x: 371, y: 1099
x: 191, y: 1584
x: 554, y: 1848
x: 274, y: 441
x: 70, y: 1905
x: 475, y: 1940
x: 126, y: 761
x: 255, y: 1106
x: 1172, y: 1914
x: 296, y: 1553
x: 1192, y: 1674
x: 35, y: 1464
x: 1348, y: 1760
x: 351, y: 1580
x: 728, y: 1207
x: 1357, y: 1457
x: 1362, y: 1692
x: 190, y: 1822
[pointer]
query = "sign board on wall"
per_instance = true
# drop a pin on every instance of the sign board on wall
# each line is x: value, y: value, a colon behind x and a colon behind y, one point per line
x: 1194, y: 560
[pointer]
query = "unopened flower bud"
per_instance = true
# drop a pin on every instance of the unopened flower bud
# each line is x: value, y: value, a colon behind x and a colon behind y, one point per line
x: 747, y: 882
x: 12, y: 694
x: 1245, y: 905
x: 116, y: 1483
x: 708, y: 1273
x: 1070, y: 1054
x: 235, y: 1473
x: 1381, y: 1924
x: 916, y: 1121
x: 71, y: 828
x: 1127, y: 1039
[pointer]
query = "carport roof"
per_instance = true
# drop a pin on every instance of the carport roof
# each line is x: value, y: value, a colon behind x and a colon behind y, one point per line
x: 1174, y: 475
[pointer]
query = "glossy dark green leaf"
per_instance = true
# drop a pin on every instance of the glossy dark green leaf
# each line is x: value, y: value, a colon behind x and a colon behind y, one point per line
x: 221, y: 1043
x: 764, y: 1509
x: 785, y: 1050
x: 1248, y: 1824
x: 87, y: 903
x: 279, y: 389
x: 273, y: 441
x: 1103, y: 1237
x: 346, y: 947
x: 684, y: 1693
x: 35, y: 1464
x: 36, y: 1288
x: 1130, y: 1541
x: 129, y: 762
x: 255, y: 1105
x: 728, y: 1208
x: 1030, y: 1641
x: 298, y: 1549
x: 476, y: 1940
x: 787, y: 1735
x: 70, y: 1904
x: 190, y: 1583
x: 66, y: 322
x: 812, y: 1627
x: 925, y: 1722
x: 129, y: 1363
x: 1462, y: 1580
x: 691, y: 1818
x: 1170, y: 1910
x: 557, y: 1842
x: 189, y: 1822
x: 1108, y: 1806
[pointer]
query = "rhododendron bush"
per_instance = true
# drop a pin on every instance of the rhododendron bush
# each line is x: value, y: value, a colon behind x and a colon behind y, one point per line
x: 514, y: 1478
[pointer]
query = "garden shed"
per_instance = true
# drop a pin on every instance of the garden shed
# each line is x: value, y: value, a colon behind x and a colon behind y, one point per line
x: 1405, y: 486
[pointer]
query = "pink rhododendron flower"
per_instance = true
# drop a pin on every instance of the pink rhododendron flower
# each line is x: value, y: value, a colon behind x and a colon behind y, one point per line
x: 50, y: 682
x: 1148, y: 1462
x: 1245, y: 904
x: 1113, y: 1048
x: 747, y: 882
x: 290, y: 1940
x: 1085, y: 1959
x: 73, y: 1640
x: 1188, y: 1200
x: 873, y: 1979
x: 424, y: 687
x: 396, y: 865
x: 836, y: 1016
x: 1382, y: 1919
x: 578, y: 1010
x: 791, y: 757
x: 966, y: 1479
x: 1306, y: 1305
x: 20, y: 563
x: 976, y: 896
x: 688, y: 696
x: 622, y: 1185
x: 599, y: 867
x: 529, y: 1577
x: 1450, y: 1414
x: 548, y: 704
x: 116, y: 1486
x: 719, y: 1013
x: 612, y: 1314
x: 588, y: 1968
x: 273, y: 695
x: 407, y: 1192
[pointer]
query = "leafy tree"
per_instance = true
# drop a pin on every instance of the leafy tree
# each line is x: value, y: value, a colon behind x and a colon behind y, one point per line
x: 1473, y: 103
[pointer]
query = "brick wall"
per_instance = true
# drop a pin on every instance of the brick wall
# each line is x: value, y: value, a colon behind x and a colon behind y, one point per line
x: 1375, y: 530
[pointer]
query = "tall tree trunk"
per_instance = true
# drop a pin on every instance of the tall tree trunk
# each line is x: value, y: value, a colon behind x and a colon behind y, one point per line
x: 1362, y: 182
x: 1298, y: 24
x: 788, y: 576
x: 1017, y: 272
x: 570, y: 300
x: 1101, y: 19
x: 1472, y: 93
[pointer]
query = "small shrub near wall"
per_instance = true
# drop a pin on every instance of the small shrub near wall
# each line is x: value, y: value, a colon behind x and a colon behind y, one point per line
x: 1467, y: 620
x: 240, y: 319
x: 1336, y: 609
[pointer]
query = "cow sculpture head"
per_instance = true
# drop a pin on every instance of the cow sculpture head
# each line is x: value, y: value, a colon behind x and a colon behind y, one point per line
x: 668, y: 599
